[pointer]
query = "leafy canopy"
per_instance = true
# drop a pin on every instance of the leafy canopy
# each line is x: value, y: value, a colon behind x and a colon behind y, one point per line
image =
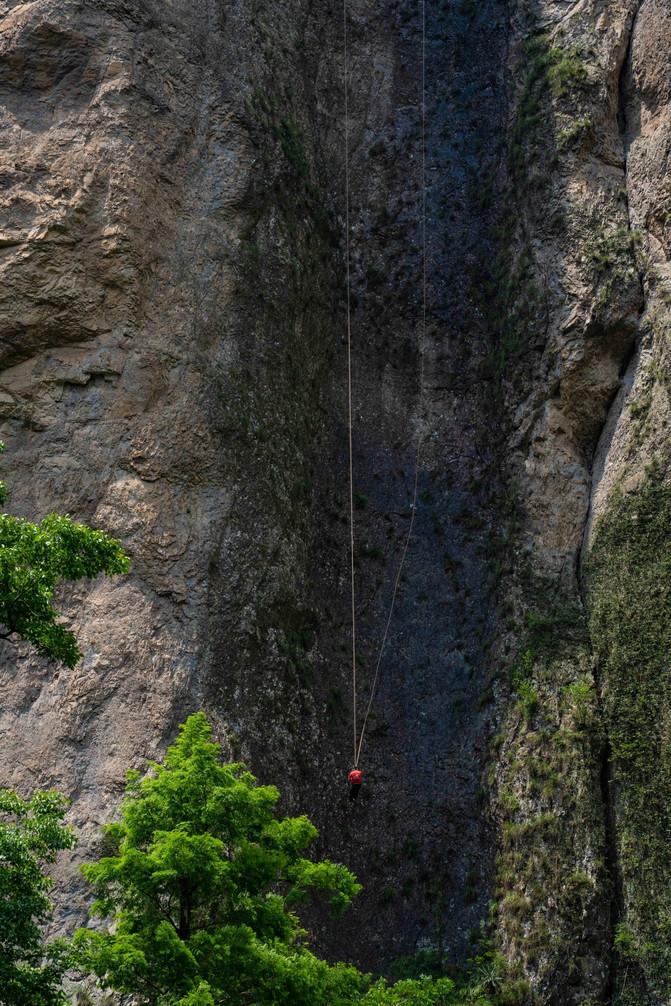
x: 201, y: 884
x: 31, y: 833
x: 34, y: 559
x: 202, y: 887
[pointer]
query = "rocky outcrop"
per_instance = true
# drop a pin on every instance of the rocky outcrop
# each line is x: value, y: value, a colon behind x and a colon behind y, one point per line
x: 172, y: 352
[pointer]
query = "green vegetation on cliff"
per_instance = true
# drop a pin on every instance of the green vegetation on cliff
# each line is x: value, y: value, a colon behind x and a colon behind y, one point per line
x: 629, y: 591
x: 550, y: 872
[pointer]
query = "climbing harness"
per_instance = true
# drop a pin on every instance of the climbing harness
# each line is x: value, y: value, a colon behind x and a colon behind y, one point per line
x: 358, y: 736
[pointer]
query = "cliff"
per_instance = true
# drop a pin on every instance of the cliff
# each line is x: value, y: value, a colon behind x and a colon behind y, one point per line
x: 173, y: 370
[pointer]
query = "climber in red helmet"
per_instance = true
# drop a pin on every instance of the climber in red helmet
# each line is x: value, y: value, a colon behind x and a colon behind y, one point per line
x: 355, y: 779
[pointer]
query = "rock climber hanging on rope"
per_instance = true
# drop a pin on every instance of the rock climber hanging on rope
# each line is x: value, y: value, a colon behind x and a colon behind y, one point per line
x: 355, y: 780
x: 355, y: 775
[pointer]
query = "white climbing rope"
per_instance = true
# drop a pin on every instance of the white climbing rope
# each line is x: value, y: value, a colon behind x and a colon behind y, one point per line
x: 349, y: 382
x: 359, y: 737
x: 418, y: 450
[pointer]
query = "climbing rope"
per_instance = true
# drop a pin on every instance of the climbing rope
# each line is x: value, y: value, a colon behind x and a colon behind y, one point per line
x: 418, y: 450
x: 359, y: 737
x: 349, y: 381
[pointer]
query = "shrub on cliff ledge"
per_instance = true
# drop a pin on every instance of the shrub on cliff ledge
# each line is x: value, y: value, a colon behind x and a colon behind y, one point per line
x: 34, y: 559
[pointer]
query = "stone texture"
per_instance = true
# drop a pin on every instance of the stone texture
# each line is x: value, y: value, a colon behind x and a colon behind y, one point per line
x: 172, y: 354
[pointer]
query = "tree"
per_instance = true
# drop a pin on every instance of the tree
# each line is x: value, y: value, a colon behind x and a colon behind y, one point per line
x: 31, y: 833
x: 201, y: 885
x: 34, y: 559
x: 423, y: 991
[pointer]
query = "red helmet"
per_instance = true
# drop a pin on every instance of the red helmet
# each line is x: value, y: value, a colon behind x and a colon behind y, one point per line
x: 355, y: 778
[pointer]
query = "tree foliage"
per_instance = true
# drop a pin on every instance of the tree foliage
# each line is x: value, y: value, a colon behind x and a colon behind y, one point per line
x: 34, y: 559
x: 31, y: 833
x: 201, y: 884
x: 202, y: 888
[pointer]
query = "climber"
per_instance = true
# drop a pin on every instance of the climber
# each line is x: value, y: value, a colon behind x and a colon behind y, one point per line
x: 355, y: 778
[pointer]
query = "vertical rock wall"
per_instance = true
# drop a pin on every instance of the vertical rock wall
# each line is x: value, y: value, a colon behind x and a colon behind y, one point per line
x: 582, y: 788
x: 575, y: 304
x: 172, y: 352
x: 628, y: 543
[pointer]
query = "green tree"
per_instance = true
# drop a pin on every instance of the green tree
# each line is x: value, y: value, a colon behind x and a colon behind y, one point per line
x: 201, y: 882
x: 424, y: 991
x: 202, y: 886
x: 34, y: 559
x: 31, y: 833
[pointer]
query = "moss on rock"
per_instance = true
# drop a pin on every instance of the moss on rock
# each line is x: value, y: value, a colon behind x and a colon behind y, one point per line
x: 629, y: 590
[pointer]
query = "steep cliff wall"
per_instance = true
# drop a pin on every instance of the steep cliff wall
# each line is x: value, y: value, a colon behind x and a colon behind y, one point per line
x: 173, y: 369
x: 582, y: 792
x: 626, y: 571
x: 166, y: 278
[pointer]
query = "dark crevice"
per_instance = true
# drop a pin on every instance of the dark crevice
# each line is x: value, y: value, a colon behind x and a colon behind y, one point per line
x: 622, y: 117
x: 626, y: 362
x: 606, y: 786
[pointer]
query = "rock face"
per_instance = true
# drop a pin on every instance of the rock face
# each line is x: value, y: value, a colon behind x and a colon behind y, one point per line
x: 173, y: 370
